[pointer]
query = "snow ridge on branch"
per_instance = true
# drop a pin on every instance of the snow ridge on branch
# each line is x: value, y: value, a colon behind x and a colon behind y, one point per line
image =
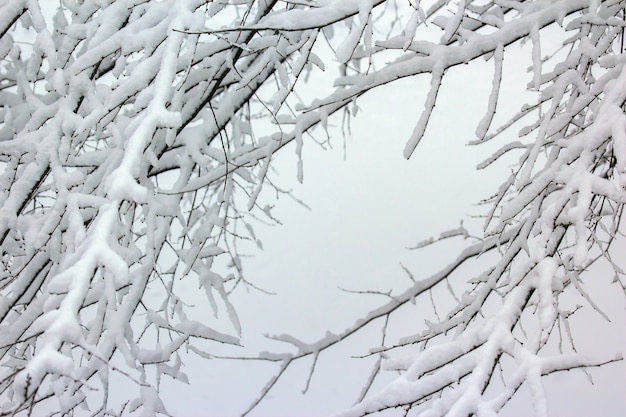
x: 131, y: 131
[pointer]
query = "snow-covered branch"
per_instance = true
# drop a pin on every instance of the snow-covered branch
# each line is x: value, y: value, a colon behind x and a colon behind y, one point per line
x: 549, y: 221
x: 131, y: 131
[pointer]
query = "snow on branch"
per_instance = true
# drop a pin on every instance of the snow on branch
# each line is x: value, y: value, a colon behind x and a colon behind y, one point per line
x: 128, y: 136
x: 131, y: 131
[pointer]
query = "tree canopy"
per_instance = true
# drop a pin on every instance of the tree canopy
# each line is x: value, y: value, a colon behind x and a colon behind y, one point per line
x: 137, y: 136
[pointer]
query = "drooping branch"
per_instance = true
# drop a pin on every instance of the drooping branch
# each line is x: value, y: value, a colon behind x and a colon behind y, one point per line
x: 129, y: 131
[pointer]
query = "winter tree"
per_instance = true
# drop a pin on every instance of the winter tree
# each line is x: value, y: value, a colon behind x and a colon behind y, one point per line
x: 137, y: 137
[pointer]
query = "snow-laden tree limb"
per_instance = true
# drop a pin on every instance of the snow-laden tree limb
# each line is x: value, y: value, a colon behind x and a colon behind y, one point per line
x: 131, y: 129
x: 126, y: 131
